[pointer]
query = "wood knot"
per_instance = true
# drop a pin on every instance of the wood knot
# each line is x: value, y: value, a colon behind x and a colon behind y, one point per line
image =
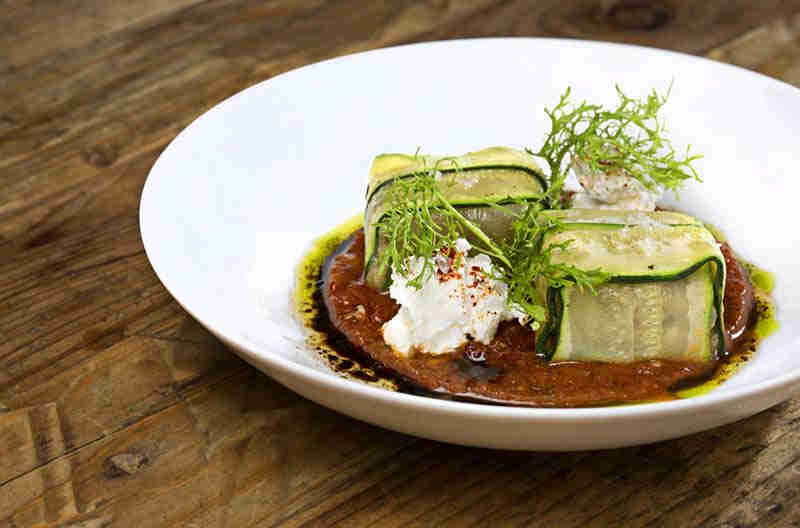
x: 44, y: 238
x: 124, y: 464
x: 638, y: 14
x: 7, y: 122
x: 100, y: 156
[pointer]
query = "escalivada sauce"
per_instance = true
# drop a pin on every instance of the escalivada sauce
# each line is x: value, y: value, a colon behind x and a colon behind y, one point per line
x: 346, y: 317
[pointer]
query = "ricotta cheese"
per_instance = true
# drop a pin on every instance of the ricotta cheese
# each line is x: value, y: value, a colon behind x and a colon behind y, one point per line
x: 459, y: 301
x: 613, y: 189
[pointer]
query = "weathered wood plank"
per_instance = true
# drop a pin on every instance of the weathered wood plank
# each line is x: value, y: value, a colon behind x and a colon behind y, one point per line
x: 681, y: 25
x: 334, y: 484
x: 43, y: 496
x: 75, y: 290
x: 30, y: 30
x: 207, y: 452
x: 773, y: 503
x: 30, y: 438
x: 124, y: 383
x: 126, y: 412
x: 721, y: 469
x: 773, y: 49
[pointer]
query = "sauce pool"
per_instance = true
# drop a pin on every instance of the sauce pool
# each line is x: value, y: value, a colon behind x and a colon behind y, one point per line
x: 345, y: 317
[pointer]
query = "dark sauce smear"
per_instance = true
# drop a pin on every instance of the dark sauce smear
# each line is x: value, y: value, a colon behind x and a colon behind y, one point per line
x: 739, y: 298
x: 352, y: 360
x: 507, y: 371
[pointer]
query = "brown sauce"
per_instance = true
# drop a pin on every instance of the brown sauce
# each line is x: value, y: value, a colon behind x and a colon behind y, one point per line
x: 739, y: 298
x: 507, y: 370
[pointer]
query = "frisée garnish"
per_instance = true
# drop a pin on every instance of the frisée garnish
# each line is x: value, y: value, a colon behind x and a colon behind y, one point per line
x: 421, y: 222
x: 630, y: 137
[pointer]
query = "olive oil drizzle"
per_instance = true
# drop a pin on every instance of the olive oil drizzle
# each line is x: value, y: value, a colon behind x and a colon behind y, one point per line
x: 343, y: 357
x: 764, y: 324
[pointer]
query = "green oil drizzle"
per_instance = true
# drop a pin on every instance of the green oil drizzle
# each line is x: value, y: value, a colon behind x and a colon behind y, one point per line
x: 309, y: 269
x: 764, y: 282
x: 765, y: 324
x: 762, y: 279
x: 307, y: 301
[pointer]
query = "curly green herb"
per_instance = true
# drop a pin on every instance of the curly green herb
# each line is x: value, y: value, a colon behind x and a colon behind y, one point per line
x: 531, y: 263
x: 629, y: 138
x: 420, y: 221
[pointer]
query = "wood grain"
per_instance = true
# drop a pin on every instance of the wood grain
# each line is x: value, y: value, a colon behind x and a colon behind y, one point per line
x: 43, y: 493
x: 118, y: 409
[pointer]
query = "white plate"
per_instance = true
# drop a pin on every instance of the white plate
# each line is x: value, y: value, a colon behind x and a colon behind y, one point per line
x: 236, y: 198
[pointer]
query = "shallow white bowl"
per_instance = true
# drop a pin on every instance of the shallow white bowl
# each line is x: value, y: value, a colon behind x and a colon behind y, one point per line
x: 236, y: 198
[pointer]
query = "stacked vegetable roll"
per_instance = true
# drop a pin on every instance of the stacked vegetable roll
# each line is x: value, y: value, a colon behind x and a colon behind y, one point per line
x: 663, y: 298
x: 468, y: 182
x: 665, y: 274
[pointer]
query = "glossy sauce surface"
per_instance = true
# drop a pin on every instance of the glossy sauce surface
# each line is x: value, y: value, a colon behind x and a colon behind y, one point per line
x: 505, y: 371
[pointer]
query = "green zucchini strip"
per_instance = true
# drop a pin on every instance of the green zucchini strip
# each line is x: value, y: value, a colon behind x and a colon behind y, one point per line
x: 664, y: 298
x: 474, y: 180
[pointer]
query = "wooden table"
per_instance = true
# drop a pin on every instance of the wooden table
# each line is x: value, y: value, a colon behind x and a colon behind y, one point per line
x: 118, y: 409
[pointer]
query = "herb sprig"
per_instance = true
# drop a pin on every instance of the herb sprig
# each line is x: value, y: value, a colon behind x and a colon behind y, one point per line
x: 420, y: 222
x: 532, y: 263
x: 630, y: 137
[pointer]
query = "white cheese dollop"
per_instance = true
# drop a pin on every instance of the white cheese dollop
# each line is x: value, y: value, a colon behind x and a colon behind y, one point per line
x: 613, y: 189
x: 458, y: 300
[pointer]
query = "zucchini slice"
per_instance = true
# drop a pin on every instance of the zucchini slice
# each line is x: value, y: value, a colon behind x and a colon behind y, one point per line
x: 473, y: 180
x: 664, y: 298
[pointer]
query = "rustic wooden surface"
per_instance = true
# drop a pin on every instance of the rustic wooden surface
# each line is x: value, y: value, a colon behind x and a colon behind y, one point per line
x: 117, y: 409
